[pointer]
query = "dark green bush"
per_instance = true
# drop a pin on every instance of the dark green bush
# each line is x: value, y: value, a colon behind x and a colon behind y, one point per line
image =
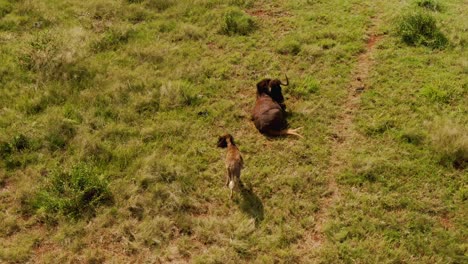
x: 5, y: 8
x: 237, y: 22
x: 432, y: 5
x: 20, y: 142
x: 5, y: 149
x: 420, y: 28
x: 74, y: 194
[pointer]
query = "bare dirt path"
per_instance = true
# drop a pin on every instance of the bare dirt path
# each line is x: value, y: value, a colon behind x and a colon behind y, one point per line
x: 343, y: 135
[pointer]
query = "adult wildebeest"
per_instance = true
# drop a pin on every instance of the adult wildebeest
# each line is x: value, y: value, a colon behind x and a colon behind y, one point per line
x: 269, y: 114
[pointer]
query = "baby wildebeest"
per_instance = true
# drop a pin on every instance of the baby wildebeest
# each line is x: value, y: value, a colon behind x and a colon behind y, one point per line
x: 269, y: 114
x: 234, y: 162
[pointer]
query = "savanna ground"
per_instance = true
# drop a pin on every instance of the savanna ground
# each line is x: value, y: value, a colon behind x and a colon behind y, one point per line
x: 110, y: 111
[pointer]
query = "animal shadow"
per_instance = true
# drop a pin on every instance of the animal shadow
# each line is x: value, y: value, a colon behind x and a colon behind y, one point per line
x: 251, y: 205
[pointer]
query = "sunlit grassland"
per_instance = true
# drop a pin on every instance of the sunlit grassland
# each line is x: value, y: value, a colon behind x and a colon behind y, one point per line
x: 405, y: 186
x: 124, y: 100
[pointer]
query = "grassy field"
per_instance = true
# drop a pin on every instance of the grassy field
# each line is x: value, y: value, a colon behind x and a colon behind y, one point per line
x: 110, y: 112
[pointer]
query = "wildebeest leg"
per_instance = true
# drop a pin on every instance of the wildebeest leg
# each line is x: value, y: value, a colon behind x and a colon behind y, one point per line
x: 227, y: 177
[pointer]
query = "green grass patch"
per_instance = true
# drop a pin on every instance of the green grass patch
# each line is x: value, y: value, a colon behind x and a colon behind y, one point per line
x: 125, y: 99
x: 450, y: 142
x: 289, y: 46
x: 237, y: 22
x: 60, y: 133
x: 159, y: 5
x: 75, y: 194
x: 113, y: 39
x: 178, y: 94
x: 435, y: 94
x: 5, y: 149
x: 5, y: 8
x: 308, y: 86
x: 20, y: 142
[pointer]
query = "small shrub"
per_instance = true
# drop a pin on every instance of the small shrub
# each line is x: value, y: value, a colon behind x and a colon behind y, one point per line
x: 51, y: 58
x: 74, y: 194
x: 20, y: 142
x: 12, y: 22
x: 237, y: 22
x: 435, y: 94
x: 41, y: 55
x: 12, y: 163
x: 421, y: 29
x: 5, y: 8
x: 5, y: 149
x: 289, y: 46
x: 450, y: 142
x: 432, y: 5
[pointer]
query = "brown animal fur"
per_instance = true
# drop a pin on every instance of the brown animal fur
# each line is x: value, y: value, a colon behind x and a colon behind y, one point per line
x: 273, y: 88
x: 234, y: 162
x: 268, y: 114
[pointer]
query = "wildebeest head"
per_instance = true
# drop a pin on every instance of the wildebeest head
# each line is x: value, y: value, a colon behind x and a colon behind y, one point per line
x: 263, y: 87
x: 223, y: 141
x: 276, y: 92
x: 273, y: 89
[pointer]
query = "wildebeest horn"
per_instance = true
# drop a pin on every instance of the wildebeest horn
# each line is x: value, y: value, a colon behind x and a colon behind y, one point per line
x: 287, y: 81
